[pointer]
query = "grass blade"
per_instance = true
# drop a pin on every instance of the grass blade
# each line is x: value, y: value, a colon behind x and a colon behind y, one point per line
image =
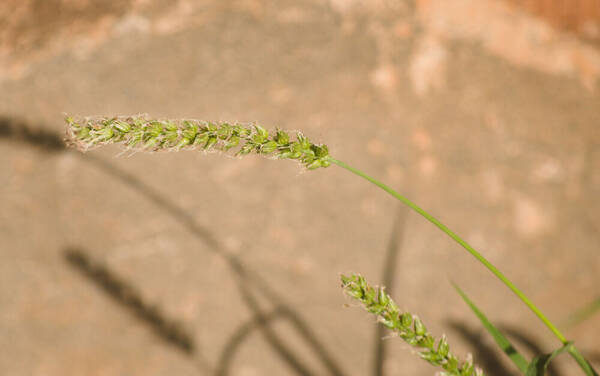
x: 539, y: 364
x: 582, y: 314
x: 462, y: 243
x: 584, y: 364
x: 500, y: 339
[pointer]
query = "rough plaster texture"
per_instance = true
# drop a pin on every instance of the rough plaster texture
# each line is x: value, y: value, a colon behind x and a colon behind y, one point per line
x: 498, y: 143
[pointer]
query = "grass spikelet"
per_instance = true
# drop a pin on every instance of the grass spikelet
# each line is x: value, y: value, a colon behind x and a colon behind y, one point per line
x: 408, y: 327
x: 143, y: 133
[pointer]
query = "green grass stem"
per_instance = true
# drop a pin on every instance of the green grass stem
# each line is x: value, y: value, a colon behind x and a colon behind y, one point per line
x: 578, y: 357
x: 500, y: 339
x: 583, y: 363
x: 140, y: 132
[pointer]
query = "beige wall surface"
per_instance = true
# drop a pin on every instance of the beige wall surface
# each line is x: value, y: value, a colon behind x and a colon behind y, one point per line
x: 186, y: 263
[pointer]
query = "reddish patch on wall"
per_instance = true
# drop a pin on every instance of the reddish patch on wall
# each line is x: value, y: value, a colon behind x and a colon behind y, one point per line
x: 580, y: 16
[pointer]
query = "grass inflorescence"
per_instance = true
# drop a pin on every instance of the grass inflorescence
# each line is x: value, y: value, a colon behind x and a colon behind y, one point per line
x: 143, y: 133
x: 407, y: 326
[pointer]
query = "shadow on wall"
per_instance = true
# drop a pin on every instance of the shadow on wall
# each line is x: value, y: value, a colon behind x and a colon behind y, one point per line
x: 19, y: 131
x: 490, y: 357
x: 128, y: 297
x: 172, y: 331
x: 169, y: 330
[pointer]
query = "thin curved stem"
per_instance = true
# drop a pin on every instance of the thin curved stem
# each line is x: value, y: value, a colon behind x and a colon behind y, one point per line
x: 583, y: 363
x: 475, y: 254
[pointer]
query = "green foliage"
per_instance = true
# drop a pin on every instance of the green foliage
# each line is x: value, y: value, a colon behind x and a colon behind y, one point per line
x: 500, y: 339
x: 539, y: 364
x: 408, y: 327
x: 142, y: 133
x: 575, y: 354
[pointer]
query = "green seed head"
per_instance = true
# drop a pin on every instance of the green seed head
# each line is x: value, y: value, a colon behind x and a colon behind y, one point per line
x: 141, y: 132
x: 408, y: 327
x: 282, y: 138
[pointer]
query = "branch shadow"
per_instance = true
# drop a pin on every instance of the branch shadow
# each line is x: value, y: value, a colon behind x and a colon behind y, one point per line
x: 125, y: 295
x: 261, y: 322
x: 20, y: 131
x: 389, y: 272
x: 487, y: 356
x: 240, y: 335
x: 244, y: 276
x: 490, y: 356
x: 284, y: 351
x: 533, y: 346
